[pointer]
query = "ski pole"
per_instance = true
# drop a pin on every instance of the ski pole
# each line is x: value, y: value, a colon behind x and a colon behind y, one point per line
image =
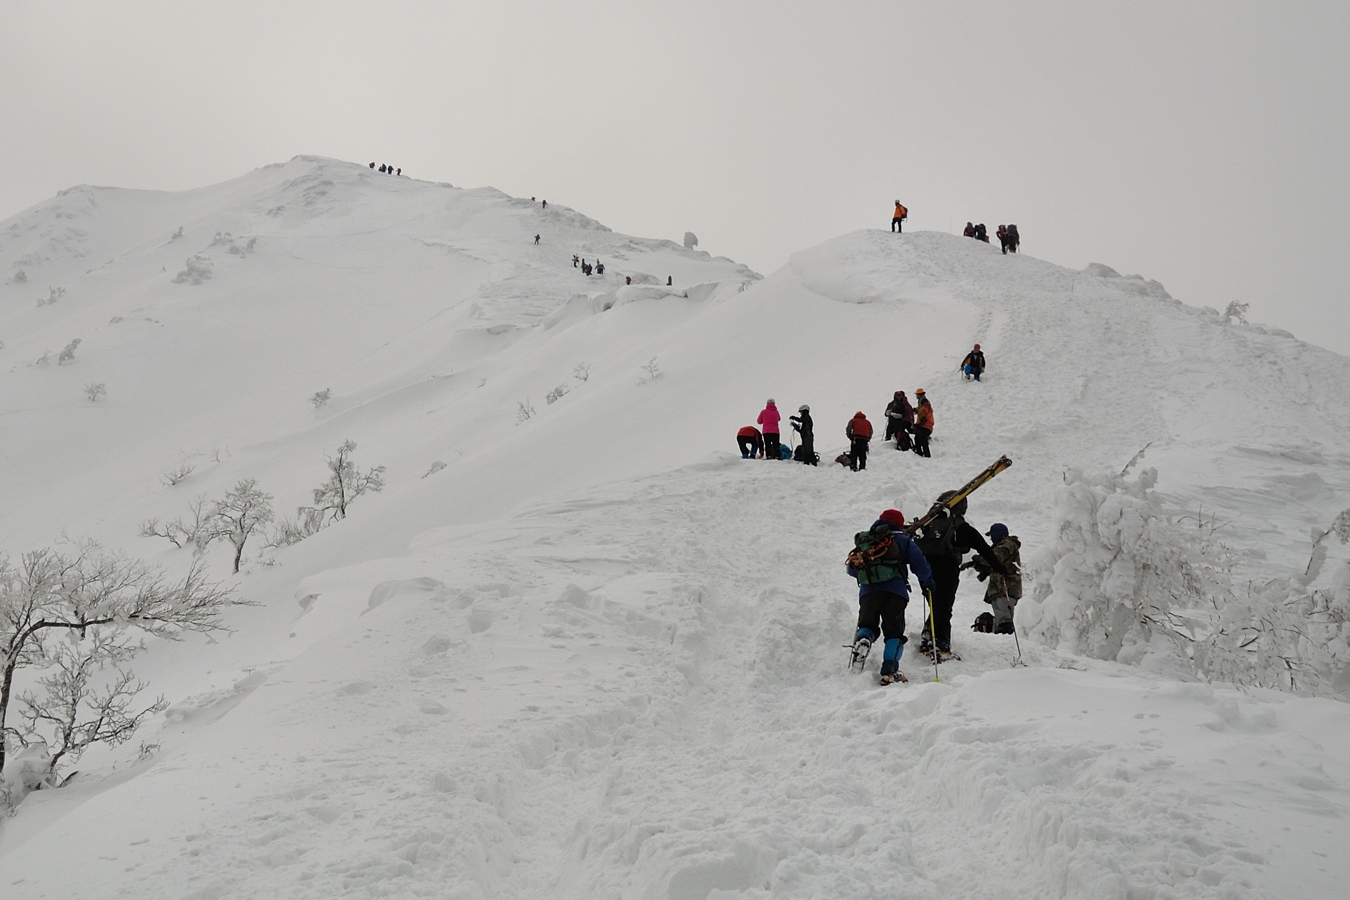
x: 1016, y: 641
x: 932, y: 633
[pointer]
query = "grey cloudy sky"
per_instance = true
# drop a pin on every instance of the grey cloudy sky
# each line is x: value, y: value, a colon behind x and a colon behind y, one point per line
x: 1203, y: 144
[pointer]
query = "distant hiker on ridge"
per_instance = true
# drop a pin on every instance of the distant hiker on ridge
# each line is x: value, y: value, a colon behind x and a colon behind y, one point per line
x: 1014, y: 240
x: 576, y: 261
x: 536, y: 240
x: 969, y: 231
x: 768, y: 420
x: 973, y: 364
x: 923, y: 423
x: 750, y: 441
x: 899, y: 418
x: 802, y: 424
x: 859, y: 434
x: 900, y: 215
x: 881, y: 559
x: 981, y: 233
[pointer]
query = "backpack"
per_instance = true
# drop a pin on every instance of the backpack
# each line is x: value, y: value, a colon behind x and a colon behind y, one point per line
x: 875, y: 557
x: 938, y: 537
x: 784, y: 451
x: 801, y: 456
x: 984, y: 623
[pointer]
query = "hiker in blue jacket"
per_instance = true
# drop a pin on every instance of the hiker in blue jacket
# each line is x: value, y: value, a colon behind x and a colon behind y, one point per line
x: 883, y: 596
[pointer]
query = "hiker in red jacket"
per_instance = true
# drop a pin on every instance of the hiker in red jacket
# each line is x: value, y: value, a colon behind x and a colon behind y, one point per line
x: 859, y: 433
x: 768, y: 421
x: 750, y: 442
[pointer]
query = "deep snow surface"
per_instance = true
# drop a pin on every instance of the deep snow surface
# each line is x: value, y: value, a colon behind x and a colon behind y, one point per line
x: 594, y: 653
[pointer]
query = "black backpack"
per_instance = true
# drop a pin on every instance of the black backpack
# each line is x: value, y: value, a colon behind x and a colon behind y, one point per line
x: 984, y: 623
x: 938, y: 537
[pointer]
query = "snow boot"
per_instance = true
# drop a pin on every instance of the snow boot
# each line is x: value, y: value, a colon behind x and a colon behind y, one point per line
x: 890, y: 672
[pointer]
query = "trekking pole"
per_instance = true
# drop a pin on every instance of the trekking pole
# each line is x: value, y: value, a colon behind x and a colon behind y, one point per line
x: 1016, y: 641
x: 932, y: 634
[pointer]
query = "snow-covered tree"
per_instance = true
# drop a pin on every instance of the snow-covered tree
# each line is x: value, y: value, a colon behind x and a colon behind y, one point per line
x: 75, y: 612
x: 1125, y: 581
x: 345, y: 483
x: 240, y: 514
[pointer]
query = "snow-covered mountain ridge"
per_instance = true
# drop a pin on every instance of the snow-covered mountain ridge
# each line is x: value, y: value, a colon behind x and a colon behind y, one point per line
x: 592, y: 652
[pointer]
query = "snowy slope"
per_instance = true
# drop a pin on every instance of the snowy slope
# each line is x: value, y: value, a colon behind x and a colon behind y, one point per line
x: 596, y: 654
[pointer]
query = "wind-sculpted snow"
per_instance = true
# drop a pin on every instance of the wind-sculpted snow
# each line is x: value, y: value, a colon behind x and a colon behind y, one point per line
x: 589, y: 651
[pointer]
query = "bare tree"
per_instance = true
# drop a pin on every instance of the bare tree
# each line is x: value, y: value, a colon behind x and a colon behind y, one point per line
x: 78, y: 706
x: 345, y: 483
x: 196, y: 530
x: 242, y: 512
x: 74, y: 611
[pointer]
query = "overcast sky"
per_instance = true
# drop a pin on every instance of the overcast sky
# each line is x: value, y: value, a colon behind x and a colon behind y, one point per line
x: 1204, y: 144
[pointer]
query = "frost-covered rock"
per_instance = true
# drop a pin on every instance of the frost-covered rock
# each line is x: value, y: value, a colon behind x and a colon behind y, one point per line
x: 197, y: 269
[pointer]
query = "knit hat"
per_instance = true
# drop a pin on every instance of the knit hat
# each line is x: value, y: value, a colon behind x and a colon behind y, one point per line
x: 770, y: 402
x: 997, y: 532
x: 803, y: 408
x: 977, y: 346
x: 894, y: 517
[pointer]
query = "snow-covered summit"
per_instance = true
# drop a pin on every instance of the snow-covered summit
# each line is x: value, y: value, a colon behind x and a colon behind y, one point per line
x: 577, y: 647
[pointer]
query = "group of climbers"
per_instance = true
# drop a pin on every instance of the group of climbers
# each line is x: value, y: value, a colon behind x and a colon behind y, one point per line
x: 765, y: 442
x: 1008, y: 238
x: 909, y: 424
x: 881, y: 560
x: 978, y: 232
x: 884, y: 555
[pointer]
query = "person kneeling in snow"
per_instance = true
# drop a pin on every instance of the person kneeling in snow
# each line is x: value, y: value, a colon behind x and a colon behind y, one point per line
x: 880, y: 561
x: 1004, y: 590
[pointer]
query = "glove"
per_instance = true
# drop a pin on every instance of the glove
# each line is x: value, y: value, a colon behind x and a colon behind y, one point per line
x: 981, y: 576
x: 928, y: 589
x: 1000, y: 568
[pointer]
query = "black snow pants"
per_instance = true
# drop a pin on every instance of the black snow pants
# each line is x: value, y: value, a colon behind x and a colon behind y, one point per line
x: 946, y: 579
x: 883, y: 613
x: 857, y: 454
x: 921, y: 441
x: 771, y: 445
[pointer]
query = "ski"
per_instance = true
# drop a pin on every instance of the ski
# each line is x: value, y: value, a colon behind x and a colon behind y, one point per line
x: 1003, y: 462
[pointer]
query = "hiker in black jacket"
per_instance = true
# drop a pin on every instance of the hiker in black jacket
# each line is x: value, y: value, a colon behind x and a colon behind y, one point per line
x: 802, y: 424
x: 944, y: 542
x: 899, y: 419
